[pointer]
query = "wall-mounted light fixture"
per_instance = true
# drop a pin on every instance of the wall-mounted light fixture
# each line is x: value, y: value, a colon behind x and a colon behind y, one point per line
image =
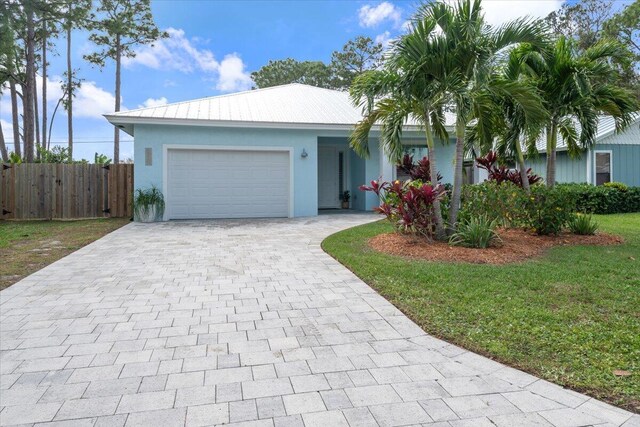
x: 304, y: 154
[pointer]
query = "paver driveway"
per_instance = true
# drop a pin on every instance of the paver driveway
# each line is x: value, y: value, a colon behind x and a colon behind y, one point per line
x: 204, y: 323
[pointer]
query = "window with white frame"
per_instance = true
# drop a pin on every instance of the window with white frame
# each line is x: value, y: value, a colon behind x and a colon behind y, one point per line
x: 603, y: 167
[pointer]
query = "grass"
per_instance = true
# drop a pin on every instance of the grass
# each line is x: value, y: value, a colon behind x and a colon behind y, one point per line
x: 571, y: 317
x: 28, y: 246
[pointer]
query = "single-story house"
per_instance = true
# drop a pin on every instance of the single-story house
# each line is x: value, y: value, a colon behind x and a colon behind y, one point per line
x: 275, y: 152
x: 284, y: 151
x: 614, y: 157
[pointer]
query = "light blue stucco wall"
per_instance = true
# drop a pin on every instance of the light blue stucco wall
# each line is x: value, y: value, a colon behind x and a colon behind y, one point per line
x: 305, y: 186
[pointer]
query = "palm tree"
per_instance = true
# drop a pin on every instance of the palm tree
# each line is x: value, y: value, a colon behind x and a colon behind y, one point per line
x: 411, y: 86
x: 516, y: 118
x: 577, y: 88
x: 475, y: 48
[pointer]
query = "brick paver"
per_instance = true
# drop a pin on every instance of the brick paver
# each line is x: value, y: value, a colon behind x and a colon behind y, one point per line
x: 247, y: 322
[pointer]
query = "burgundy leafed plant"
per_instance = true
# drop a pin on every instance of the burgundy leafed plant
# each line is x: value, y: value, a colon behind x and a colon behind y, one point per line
x: 408, y: 206
x: 500, y: 173
x: 418, y: 170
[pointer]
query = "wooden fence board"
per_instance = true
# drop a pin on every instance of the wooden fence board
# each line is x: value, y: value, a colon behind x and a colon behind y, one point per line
x: 62, y: 191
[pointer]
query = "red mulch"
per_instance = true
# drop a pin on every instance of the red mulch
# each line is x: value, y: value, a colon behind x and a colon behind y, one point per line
x: 517, y: 245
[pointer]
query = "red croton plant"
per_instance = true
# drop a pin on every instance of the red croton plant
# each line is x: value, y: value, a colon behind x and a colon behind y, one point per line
x: 501, y: 173
x: 409, y: 205
x: 418, y: 170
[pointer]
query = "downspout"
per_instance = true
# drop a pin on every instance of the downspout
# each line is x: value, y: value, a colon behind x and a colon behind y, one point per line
x: 589, y: 165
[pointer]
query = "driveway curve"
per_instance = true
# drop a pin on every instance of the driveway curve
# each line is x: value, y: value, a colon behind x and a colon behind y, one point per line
x: 245, y: 322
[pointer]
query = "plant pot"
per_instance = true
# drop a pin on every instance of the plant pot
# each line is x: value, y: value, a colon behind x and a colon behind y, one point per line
x: 148, y: 215
x: 345, y: 205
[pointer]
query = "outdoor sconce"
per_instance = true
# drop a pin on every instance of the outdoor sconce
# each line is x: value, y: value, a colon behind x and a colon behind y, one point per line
x: 304, y: 154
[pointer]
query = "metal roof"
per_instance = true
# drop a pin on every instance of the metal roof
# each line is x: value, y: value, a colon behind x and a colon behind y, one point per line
x: 292, y: 105
x: 606, y: 128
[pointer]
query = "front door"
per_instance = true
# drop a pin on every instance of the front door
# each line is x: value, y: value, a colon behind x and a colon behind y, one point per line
x: 328, y: 177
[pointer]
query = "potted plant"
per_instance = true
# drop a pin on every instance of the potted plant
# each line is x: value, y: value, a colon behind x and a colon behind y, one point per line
x: 346, y: 196
x: 148, y: 205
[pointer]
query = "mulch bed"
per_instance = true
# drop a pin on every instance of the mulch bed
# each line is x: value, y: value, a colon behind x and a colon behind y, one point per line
x: 517, y: 245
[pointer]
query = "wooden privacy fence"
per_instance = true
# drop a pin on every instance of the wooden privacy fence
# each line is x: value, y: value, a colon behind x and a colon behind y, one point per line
x: 66, y: 191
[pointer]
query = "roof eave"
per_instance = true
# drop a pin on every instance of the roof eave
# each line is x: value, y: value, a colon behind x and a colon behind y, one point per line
x: 127, y: 124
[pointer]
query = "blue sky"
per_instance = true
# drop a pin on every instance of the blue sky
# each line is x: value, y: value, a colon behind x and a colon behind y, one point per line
x: 214, y: 46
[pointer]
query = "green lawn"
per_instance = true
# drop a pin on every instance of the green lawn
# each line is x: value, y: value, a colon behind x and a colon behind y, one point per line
x: 571, y: 317
x: 28, y: 246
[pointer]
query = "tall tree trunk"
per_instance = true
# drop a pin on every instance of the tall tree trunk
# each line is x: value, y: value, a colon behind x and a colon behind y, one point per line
x: 28, y: 99
x: 440, y: 231
x: 523, y: 168
x: 116, y: 130
x: 44, y: 85
x: 69, y: 93
x: 36, y: 115
x: 3, y: 147
x: 14, y: 118
x: 457, y: 175
x: 552, y: 136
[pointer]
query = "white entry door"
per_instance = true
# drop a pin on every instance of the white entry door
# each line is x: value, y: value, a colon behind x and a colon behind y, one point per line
x: 227, y: 184
x: 328, y: 177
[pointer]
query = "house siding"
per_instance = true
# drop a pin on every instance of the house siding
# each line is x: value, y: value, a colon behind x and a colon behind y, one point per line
x: 625, y: 162
x: 568, y: 169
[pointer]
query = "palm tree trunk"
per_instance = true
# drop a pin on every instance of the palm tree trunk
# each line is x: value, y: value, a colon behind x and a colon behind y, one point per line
x: 116, y: 130
x: 523, y: 168
x: 440, y: 231
x: 14, y: 117
x: 552, y: 137
x: 457, y: 176
x: 69, y: 94
x: 3, y: 147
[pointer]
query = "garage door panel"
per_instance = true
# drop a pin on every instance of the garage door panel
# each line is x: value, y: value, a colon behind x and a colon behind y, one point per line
x: 227, y: 184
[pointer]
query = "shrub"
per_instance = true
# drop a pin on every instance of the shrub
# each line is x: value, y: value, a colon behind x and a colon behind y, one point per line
x: 148, y: 204
x: 548, y: 210
x: 409, y: 205
x: 477, y: 232
x: 583, y: 224
x: 617, y: 185
x: 501, y: 173
x: 604, y: 199
x: 503, y: 203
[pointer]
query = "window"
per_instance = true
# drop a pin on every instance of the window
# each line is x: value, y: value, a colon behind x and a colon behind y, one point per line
x: 603, y: 167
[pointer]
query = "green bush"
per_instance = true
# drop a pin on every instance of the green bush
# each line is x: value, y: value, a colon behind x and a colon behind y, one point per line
x: 618, y: 185
x: 548, y: 210
x: 583, y: 224
x: 604, y: 199
x: 503, y: 203
x: 479, y: 232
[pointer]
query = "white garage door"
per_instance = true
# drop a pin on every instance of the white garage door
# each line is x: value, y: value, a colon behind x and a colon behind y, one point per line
x: 227, y: 184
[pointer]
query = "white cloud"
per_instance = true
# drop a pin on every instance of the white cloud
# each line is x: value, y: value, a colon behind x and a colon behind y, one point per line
x: 384, y: 39
x: 497, y: 12
x: 151, y: 102
x: 371, y: 16
x: 92, y: 101
x: 179, y: 53
x: 233, y: 75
